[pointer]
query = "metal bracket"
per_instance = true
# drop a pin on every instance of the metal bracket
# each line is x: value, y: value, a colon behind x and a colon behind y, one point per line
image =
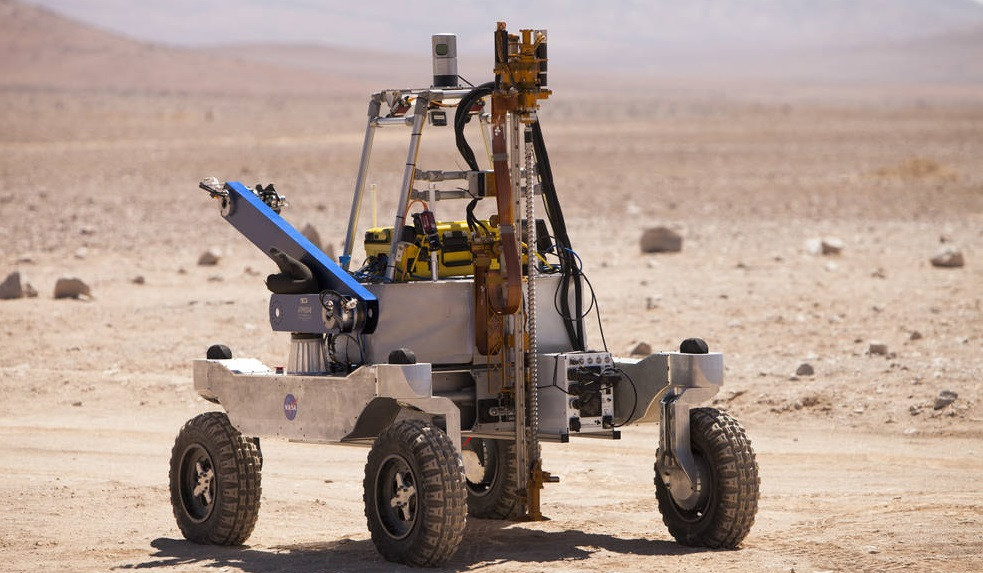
x: 693, y: 379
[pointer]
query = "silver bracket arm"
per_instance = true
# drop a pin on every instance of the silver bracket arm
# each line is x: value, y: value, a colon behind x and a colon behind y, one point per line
x: 693, y: 379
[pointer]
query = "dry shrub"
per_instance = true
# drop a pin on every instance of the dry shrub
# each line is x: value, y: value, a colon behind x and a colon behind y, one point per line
x: 917, y: 168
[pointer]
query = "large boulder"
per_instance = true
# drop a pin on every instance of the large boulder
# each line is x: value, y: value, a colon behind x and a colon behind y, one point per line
x: 210, y: 258
x: 824, y: 246
x: 661, y: 240
x: 71, y: 287
x: 11, y: 287
x: 949, y: 258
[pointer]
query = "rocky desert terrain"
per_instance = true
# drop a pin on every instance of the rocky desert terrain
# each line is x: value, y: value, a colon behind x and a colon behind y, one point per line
x: 809, y: 216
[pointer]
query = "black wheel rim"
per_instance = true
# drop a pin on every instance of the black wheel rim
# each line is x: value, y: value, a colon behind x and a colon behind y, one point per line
x: 487, y: 454
x: 396, y: 499
x: 198, y: 483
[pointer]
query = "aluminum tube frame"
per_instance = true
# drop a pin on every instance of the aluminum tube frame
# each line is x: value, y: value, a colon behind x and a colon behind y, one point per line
x: 375, y: 106
x: 385, y: 121
x: 419, y: 120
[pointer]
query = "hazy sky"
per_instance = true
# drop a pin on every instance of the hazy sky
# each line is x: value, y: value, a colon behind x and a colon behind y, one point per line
x: 589, y: 30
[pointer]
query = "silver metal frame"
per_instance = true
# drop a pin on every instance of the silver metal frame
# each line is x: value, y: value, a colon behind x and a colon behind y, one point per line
x: 693, y: 379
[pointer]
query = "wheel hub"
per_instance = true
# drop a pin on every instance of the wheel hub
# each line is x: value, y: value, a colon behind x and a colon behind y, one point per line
x: 404, y: 495
x: 198, y: 483
x: 203, y: 487
x: 396, y: 500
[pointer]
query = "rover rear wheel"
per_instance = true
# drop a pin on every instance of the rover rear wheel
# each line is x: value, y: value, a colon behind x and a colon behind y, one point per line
x: 415, y: 494
x: 726, y: 510
x: 215, y: 481
x: 489, y: 466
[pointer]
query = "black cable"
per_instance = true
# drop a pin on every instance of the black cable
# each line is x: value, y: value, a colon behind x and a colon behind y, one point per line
x: 634, y: 405
x: 569, y: 272
x: 461, y: 117
x: 597, y: 310
x: 473, y: 223
x: 332, y: 338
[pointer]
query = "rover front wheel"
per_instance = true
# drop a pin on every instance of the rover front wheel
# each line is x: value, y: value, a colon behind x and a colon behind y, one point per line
x: 725, y: 513
x: 215, y: 481
x: 415, y: 494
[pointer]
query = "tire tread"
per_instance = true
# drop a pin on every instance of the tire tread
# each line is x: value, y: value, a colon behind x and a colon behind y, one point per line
x: 735, y: 469
x: 441, y: 495
x: 238, y: 464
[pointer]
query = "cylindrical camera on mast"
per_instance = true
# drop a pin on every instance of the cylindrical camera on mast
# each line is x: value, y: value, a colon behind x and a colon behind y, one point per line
x: 444, y: 53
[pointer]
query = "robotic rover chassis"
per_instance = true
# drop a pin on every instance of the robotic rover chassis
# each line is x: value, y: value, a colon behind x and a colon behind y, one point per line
x: 436, y: 354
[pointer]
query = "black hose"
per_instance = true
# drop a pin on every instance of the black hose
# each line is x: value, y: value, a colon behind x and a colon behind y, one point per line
x: 461, y: 117
x: 570, y: 273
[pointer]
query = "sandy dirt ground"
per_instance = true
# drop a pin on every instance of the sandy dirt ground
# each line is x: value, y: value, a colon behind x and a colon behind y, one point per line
x: 859, y: 472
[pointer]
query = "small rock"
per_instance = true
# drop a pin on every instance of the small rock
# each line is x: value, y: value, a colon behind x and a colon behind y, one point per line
x: 210, y: 257
x: 11, y: 287
x: 311, y: 234
x: 914, y: 410
x: 915, y: 335
x: 871, y: 549
x: 661, y: 240
x: 640, y: 349
x: 824, y: 246
x: 25, y: 259
x: 81, y: 253
x: 831, y: 246
x: 71, y: 287
x: 805, y: 369
x: 810, y: 401
x: 910, y: 431
x: 948, y: 258
x: 77, y: 403
x: 30, y: 291
x: 138, y: 280
x: 878, y: 348
x: 944, y: 398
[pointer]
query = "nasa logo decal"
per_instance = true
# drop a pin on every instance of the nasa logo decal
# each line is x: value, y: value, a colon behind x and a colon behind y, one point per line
x: 290, y: 407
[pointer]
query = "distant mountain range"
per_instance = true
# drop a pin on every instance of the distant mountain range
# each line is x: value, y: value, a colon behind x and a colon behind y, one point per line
x: 325, y: 47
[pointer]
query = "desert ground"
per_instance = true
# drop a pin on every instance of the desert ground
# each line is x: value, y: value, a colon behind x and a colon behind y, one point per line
x: 859, y: 469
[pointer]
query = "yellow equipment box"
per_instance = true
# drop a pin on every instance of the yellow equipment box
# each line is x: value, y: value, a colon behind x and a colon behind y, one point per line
x: 454, y: 257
